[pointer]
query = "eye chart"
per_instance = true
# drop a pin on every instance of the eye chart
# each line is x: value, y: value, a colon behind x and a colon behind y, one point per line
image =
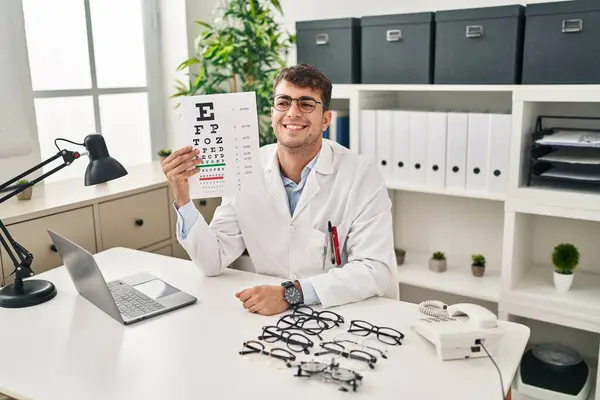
x: 224, y: 127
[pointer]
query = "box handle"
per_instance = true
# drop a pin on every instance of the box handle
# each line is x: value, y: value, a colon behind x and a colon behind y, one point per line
x: 322, y: 39
x: 572, y: 25
x: 393, y: 35
x: 474, y: 31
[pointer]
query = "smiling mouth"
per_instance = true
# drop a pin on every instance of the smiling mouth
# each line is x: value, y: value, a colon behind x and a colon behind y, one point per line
x: 294, y: 127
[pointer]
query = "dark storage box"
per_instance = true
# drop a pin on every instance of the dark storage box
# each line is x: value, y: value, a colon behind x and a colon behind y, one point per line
x: 479, y: 46
x: 397, y: 48
x: 333, y: 46
x: 562, y: 43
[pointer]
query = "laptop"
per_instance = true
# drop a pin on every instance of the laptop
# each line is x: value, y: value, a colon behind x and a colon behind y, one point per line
x: 129, y: 299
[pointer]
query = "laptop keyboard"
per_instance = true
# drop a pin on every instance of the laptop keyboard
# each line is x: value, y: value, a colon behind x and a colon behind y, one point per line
x: 130, y: 302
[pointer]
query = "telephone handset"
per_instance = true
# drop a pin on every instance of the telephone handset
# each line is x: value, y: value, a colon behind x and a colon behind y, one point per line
x: 458, y: 331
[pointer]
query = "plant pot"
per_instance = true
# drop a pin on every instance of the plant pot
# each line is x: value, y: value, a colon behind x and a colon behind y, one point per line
x: 437, y: 265
x: 562, y: 282
x: 25, y: 194
x: 477, y: 270
x: 400, y: 256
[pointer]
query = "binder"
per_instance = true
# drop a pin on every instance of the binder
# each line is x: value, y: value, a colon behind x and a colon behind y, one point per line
x: 400, y: 144
x: 477, y: 152
x: 436, y: 150
x: 384, y: 143
x: 456, y: 151
x: 418, y: 148
x: 499, y: 152
x: 368, y: 133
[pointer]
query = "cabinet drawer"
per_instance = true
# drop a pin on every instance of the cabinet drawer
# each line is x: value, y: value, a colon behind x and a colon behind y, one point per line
x: 76, y: 225
x: 165, y: 251
x: 135, y: 221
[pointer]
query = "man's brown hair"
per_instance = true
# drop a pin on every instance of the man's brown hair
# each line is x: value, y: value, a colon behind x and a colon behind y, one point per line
x: 306, y: 76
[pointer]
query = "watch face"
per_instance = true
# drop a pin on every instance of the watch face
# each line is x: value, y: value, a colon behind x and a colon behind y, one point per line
x: 292, y: 295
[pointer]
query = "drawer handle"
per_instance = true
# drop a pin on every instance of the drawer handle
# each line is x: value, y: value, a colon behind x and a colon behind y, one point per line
x: 474, y: 31
x: 572, y: 25
x: 139, y: 222
x: 322, y: 39
x: 393, y: 35
x: 53, y: 248
x: 202, y: 203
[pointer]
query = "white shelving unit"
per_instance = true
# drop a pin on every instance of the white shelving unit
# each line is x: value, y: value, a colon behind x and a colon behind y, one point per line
x: 516, y: 230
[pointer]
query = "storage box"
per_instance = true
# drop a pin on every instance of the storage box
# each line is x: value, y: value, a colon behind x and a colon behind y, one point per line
x: 333, y: 46
x: 479, y: 46
x: 562, y: 43
x: 397, y: 48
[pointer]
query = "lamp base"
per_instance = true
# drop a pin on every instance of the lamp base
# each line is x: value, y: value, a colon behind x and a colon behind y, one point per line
x: 34, y: 292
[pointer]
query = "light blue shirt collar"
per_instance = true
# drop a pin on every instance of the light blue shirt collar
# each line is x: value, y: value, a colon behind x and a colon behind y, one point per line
x: 293, y: 189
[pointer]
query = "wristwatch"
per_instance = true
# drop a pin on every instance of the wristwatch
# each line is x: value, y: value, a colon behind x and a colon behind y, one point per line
x: 291, y: 294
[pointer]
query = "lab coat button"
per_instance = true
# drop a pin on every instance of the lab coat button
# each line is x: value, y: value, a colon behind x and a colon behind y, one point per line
x: 291, y: 229
x: 293, y: 277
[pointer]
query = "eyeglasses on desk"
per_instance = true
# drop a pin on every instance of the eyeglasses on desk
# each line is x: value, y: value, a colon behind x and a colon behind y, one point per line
x: 384, y: 334
x: 277, y: 357
x: 295, y: 341
x: 364, y: 358
x: 328, y: 317
x: 345, y: 378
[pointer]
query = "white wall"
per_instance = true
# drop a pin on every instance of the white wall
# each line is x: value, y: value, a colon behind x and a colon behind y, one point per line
x: 18, y: 130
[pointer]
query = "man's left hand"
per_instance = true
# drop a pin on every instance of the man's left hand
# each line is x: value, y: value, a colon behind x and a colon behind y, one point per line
x: 264, y: 299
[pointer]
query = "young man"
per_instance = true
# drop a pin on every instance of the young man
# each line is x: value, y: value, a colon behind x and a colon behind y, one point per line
x: 309, y: 184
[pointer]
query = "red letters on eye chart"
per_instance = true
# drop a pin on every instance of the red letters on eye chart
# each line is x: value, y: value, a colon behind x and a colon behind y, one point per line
x: 224, y: 127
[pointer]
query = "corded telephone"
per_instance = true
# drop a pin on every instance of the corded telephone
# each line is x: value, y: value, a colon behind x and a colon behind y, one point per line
x: 459, y: 331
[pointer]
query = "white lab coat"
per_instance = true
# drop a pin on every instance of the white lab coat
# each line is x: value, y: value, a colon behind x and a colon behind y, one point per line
x: 344, y: 188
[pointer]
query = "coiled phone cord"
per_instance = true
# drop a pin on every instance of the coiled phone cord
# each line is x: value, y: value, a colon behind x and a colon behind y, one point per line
x: 434, y: 308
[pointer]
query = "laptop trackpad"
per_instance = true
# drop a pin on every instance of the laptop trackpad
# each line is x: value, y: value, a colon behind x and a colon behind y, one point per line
x: 155, y: 289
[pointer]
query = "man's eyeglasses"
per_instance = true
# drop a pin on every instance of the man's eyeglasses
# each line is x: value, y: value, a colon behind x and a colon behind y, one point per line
x: 328, y: 317
x: 295, y: 341
x: 306, y: 104
x: 352, y: 354
x: 386, y: 335
x: 309, y: 325
x: 345, y: 378
x: 278, y: 357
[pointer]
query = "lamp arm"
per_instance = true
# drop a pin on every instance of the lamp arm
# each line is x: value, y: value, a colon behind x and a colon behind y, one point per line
x: 25, y: 258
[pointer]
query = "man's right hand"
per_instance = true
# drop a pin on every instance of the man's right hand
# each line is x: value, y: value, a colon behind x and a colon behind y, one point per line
x: 178, y: 167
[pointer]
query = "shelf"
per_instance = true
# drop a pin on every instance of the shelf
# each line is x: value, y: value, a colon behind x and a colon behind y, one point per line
x: 446, y: 192
x: 535, y: 297
x: 547, y: 207
x: 455, y: 280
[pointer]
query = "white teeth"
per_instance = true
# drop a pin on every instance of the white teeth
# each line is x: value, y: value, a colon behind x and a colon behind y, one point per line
x: 294, y: 127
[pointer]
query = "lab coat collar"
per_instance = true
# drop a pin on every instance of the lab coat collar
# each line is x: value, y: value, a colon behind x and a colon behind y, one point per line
x: 276, y: 190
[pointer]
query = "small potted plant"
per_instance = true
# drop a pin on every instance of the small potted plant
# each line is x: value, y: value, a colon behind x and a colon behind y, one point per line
x: 400, y: 256
x: 437, y: 262
x: 164, y: 153
x: 478, y: 265
x: 25, y: 194
x: 565, y: 259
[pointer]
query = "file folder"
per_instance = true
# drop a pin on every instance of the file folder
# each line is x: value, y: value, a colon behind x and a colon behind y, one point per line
x: 436, y: 150
x: 368, y: 133
x: 384, y: 143
x: 477, y: 152
x: 499, y: 152
x: 456, y: 151
x: 401, y: 143
x: 418, y: 148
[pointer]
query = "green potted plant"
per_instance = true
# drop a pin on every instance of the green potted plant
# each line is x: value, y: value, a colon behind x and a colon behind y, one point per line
x: 164, y: 153
x: 437, y: 262
x: 478, y: 264
x: 25, y: 194
x: 242, y: 50
x: 565, y: 259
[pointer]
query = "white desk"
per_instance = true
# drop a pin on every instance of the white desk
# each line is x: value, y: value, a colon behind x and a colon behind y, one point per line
x: 68, y: 349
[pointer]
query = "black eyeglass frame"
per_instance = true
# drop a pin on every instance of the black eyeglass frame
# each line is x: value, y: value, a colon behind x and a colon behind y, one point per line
x: 300, y: 322
x: 254, y: 350
x: 340, y: 350
x: 370, y: 328
x: 287, y: 337
x: 297, y: 100
x: 321, y: 315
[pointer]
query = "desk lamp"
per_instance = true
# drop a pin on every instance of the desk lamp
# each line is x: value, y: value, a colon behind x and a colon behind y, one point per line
x: 102, y: 168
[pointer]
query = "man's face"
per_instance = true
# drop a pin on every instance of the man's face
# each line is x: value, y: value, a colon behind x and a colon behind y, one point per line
x: 296, y: 126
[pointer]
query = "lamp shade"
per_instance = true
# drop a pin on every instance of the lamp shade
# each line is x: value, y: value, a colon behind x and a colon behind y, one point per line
x: 102, y: 167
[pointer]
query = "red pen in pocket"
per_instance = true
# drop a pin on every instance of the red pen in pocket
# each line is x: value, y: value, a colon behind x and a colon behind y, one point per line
x: 336, y: 245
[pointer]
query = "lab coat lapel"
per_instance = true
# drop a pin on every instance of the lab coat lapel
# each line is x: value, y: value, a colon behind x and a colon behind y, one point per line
x: 274, y: 186
x: 323, y: 166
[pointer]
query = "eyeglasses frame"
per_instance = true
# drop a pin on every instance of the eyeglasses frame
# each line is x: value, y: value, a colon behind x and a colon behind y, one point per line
x: 376, y: 330
x: 292, y: 99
